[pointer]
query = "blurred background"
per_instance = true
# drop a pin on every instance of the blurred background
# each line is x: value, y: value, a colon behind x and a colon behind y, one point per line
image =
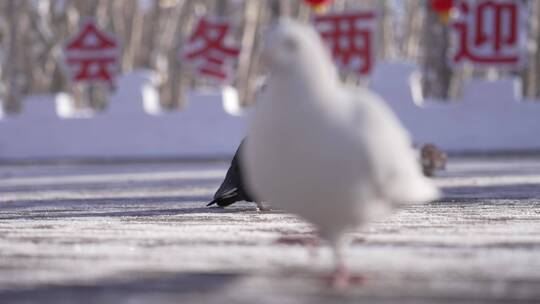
x: 90, y: 59
x: 152, y: 32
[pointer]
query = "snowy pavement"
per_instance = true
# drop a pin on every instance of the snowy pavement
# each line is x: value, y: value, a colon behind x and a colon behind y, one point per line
x: 140, y: 233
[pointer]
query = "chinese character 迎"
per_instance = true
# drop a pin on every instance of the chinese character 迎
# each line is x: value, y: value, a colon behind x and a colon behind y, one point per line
x: 487, y: 32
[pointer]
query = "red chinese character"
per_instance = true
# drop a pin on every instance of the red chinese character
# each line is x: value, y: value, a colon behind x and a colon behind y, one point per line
x: 206, y: 47
x: 350, y: 39
x: 487, y: 32
x: 92, y: 55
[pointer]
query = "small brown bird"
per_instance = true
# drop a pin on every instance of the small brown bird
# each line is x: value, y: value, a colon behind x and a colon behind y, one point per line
x: 432, y: 159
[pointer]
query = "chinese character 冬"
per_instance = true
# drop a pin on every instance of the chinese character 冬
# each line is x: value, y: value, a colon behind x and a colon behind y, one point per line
x: 92, y: 55
x: 206, y: 48
x: 350, y: 39
x: 488, y: 32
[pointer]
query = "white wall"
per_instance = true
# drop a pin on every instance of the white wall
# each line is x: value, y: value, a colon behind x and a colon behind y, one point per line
x: 490, y: 117
x: 202, y: 130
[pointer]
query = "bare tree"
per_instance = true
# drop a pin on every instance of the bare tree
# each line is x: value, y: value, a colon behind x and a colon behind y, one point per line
x: 436, y: 72
x: 531, y: 73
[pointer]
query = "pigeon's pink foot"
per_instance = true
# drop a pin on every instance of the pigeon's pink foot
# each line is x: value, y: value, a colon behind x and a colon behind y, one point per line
x: 309, y: 241
x: 341, y: 278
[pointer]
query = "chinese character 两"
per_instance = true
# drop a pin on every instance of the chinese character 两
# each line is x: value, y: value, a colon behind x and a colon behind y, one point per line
x: 350, y: 38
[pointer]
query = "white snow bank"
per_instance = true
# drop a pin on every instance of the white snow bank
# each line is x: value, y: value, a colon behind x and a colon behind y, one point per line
x: 134, y: 125
x: 491, y: 116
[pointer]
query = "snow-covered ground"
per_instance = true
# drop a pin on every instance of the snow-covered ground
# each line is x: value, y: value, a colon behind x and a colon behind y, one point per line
x: 140, y: 233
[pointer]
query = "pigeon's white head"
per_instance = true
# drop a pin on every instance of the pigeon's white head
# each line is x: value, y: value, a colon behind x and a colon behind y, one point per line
x: 291, y: 47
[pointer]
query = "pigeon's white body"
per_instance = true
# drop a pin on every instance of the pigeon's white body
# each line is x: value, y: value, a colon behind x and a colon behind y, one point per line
x: 332, y: 154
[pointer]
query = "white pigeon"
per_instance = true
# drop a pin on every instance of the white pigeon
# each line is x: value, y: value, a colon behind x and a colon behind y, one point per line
x: 335, y: 155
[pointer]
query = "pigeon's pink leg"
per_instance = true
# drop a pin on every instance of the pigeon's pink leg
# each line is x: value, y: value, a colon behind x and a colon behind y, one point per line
x: 340, y: 278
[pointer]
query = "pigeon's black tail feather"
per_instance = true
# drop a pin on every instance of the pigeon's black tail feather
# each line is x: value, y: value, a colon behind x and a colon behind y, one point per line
x: 212, y: 203
x: 233, y: 188
x: 225, y: 198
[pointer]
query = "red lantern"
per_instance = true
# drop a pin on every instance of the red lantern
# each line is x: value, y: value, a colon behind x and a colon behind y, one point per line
x: 442, y: 8
x: 318, y: 5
